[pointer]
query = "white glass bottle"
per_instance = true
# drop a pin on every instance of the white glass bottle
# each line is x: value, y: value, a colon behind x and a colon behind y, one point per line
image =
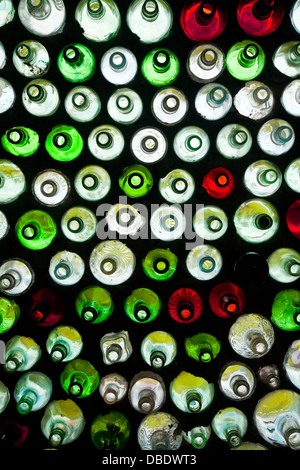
x: 205, y: 62
x: 210, y: 222
x: 3, y: 57
x: 66, y: 268
x: 286, y: 58
x: 100, y: 20
x: 42, y: 17
x: 191, y: 394
x: 292, y: 175
x: 290, y: 98
x: 115, y: 347
x: 40, y: 97
x: 158, y: 349
x: 64, y: 343
x: 7, y: 95
x: 191, y: 144
x: 177, y: 186
x: 276, y: 137
x: 204, y: 262
x: 31, y: 58
x: 262, y: 178
x: 113, y: 388
x: 4, y: 226
x: 7, y: 12
x: 237, y: 381
x: 150, y: 20
x: 21, y: 354
x: 106, y: 142
x: 295, y: 16
x: 119, y: 65
x: 147, y: 392
x: 16, y: 276
x: 125, y: 106
x: 92, y: 183
x: 12, y: 182
x: 230, y: 425
x: 284, y: 265
x: 255, y: 100
x: 168, y: 222
x: 4, y: 396
x: 291, y: 363
x: 234, y: 141
x: 32, y: 391
x: 124, y: 219
x: 213, y: 101
x: 149, y: 145
x: 82, y: 104
x: 50, y: 187
x: 169, y: 106
x: 159, y: 431
x: 79, y: 224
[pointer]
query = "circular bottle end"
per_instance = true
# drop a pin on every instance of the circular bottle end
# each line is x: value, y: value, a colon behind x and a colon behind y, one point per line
x: 113, y: 353
x: 49, y: 188
x: 23, y: 51
x: 71, y: 54
x: 11, y: 365
x: 15, y: 136
x: 205, y: 13
x: 205, y: 356
x: 221, y: 180
x: 207, y: 264
x: 62, y: 271
x: 146, y: 404
x: 142, y: 313
x: 198, y: 441
x: 170, y: 104
x: 292, y: 438
x: 251, y: 52
x: 35, y: 92
x: 185, y: 312
x: 90, y: 182
x: 193, y: 143
x: 108, y: 266
x: 273, y: 382
x: 217, y: 96
x: 56, y: 437
x: 110, y: 396
x: 124, y: 104
x: 104, y: 140
x: 233, y: 438
x: 80, y: 101
x: 24, y: 406
x: 29, y: 232
x: 214, y: 224
x: 263, y: 221
x: 75, y: 225
x: 58, y: 353
x: 157, y: 360
x: 75, y: 389
x: 161, y: 265
x: 259, y: 346
x: 135, y: 180
x: 179, y: 185
x: 7, y: 282
x: 150, y: 10
x: 208, y: 57
x: 88, y: 314
x: 241, y: 388
x: 193, y: 402
x: 161, y: 60
x: 261, y: 95
x: 149, y: 144
x: 117, y: 61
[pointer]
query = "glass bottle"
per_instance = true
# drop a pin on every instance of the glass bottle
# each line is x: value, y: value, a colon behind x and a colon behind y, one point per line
x: 292, y: 218
x: 158, y: 349
x: 295, y: 16
x: 150, y: 20
x: 290, y: 98
x: 36, y: 229
x: 213, y: 101
x: 113, y: 388
x: 246, y: 445
x: 62, y: 423
x: 100, y: 20
x: 64, y: 343
x: 21, y: 354
x: 191, y: 394
x: 276, y: 137
x: 7, y: 12
x: 32, y: 392
x: 168, y: 222
x: 237, y: 381
x: 260, y: 17
x: 149, y: 145
x: 147, y: 392
x: 251, y: 269
x: 210, y: 222
x: 4, y: 227
x: 185, y: 305
x: 20, y: 141
x: 3, y: 57
x: 64, y: 143
x: 66, y: 268
x: 202, y: 347
x: 40, y: 97
x: 256, y: 220
x: 12, y: 181
x: 160, y: 264
x: 160, y: 67
x: 286, y: 58
x: 262, y: 178
x: 112, y: 262
x: 50, y: 187
x: 292, y: 175
x: 79, y: 224
x: 169, y: 106
x: 13, y: 434
x: 205, y: 62
x: 115, y: 347
x: 191, y: 144
x: 136, y: 180
x: 92, y: 183
x: 119, y: 65
x: 31, y: 58
x: 234, y: 141
x: 9, y: 314
x: 124, y: 219
x: 4, y: 396
x: 284, y: 265
x: 76, y: 62
x: 93, y: 304
x: 276, y: 417
x: 79, y: 378
x: 269, y: 375
x: 285, y: 310
x: 204, y: 262
x: 177, y: 186
x: 291, y: 363
x: 198, y: 436
x: 16, y: 276
x: 251, y: 335
x: 255, y: 100
x: 45, y: 307
x: 203, y: 21
x: 125, y: 106
x: 230, y: 425
x: 7, y: 95
x: 82, y: 104
x: 245, y: 60
x: 106, y: 142
x: 159, y: 431
x: 226, y: 300
x: 42, y: 17
x: 110, y: 431
x: 143, y: 305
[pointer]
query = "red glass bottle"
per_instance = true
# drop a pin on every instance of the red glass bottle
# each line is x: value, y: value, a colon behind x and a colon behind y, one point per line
x: 260, y: 17
x: 219, y: 183
x: 227, y: 300
x: 293, y: 218
x: 46, y: 307
x: 12, y: 435
x: 185, y: 305
x: 203, y: 20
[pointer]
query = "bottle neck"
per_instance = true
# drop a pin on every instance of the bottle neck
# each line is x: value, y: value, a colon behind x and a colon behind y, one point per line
x: 104, y: 140
x: 214, y: 224
x: 207, y: 59
x: 193, y: 143
x: 248, y: 56
x: 263, y: 221
x: 161, y: 61
x: 216, y: 97
x: 95, y: 9
x: 14, y: 362
x: 113, y: 353
x: 36, y: 93
x: 193, y: 402
x: 207, y: 264
x: 80, y: 101
x: 150, y: 10
x: 110, y: 395
x: 157, y: 359
x: 124, y: 104
x: 294, y: 53
x: 9, y: 280
x: 198, y: 439
x: 77, y: 383
x: 146, y: 401
x: 256, y: 342
x: 260, y: 96
x: 281, y: 135
x: 291, y: 432
x: 117, y: 61
x: 26, y: 403
x: 62, y: 141
x: 58, y: 353
x: 142, y: 313
x: 160, y: 440
x: 75, y: 225
x: 89, y: 314
x: 267, y: 177
x: 205, y: 13
x: 292, y: 267
x: 229, y: 304
x: 57, y: 434
x: 263, y: 9
x: 240, y: 386
x: 233, y: 436
x: 25, y: 53
x: 39, y: 9
x: 238, y: 138
x: 73, y: 56
x: 205, y: 354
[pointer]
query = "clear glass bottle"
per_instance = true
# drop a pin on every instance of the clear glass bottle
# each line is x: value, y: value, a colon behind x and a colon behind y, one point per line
x: 269, y: 375
x: 124, y: 219
x: 168, y: 222
x: 3, y: 57
x: 36, y: 229
x: 169, y: 106
x: 285, y: 312
x: 62, y: 423
x: 51, y: 187
x: 284, y: 265
x: 93, y: 304
x: 295, y: 16
x: 160, y: 264
x: 276, y: 418
x: 234, y: 141
x: 230, y: 425
x: 143, y: 305
x: 64, y: 343
x: 292, y: 175
x: 136, y: 180
x: 286, y: 58
x: 7, y: 95
x: 290, y: 98
x: 191, y: 144
x: 291, y: 363
x: 66, y: 268
x: 76, y: 62
x: 159, y: 349
x: 9, y: 314
x: 191, y: 394
x: 205, y: 62
x: 198, y: 436
x: 149, y: 145
x: 42, y: 17
x: 7, y: 12
x: 112, y: 262
x: 16, y: 276
x: 125, y: 106
x: 213, y: 101
x: 147, y: 392
x: 204, y: 262
x: 276, y: 137
x: 245, y: 60
x: 150, y: 20
x: 4, y: 226
x: 79, y: 224
x: 259, y: 17
x: 4, y: 396
x: 237, y: 381
x: 210, y: 222
x: 159, y: 431
x: 202, y: 347
x: 177, y: 186
x: 262, y: 178
x: 113, y: 388
x: 100, y: 20
x: 20, y: 141
x: 92, y: 183
x: 79, y: 378
x: 255, y: 100
x: 31, y: 58
x: 119, y: 65
x: 64, y: 143
x: 12, y: 181
x: 82, y: 104
x: 106, y: 142
x: 32, y: 392
x: 251, y: 335
x: 160, y: 67
x: 110, y: 432
x: 21, y: 354
x: 40, y: 97
x: 115, y: 347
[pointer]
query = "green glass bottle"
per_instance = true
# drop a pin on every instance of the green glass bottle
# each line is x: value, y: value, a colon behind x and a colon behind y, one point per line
x: 142, y: 305
x: 79, y: 378
x: 20, y: 141
x: 64, y: 143
x: 9, y: 314
x: 160, y: 67
x: 160, y: 264
x: 245, y: 60
x: 94, y: 304
x: 203, y: 347
x: 76, y: 62
x: 110, y: 431
x: 36, y: 229
x: 191, y: 394
x: 136, y: 181
x: 286, y: 310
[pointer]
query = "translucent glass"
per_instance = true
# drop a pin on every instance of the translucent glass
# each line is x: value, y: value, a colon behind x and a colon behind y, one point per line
x: 234, y: 141
x: 113, y: 388
x: 237, y: 381
x: 205, y: 63
x: 150, y: 20
x: 21, y: 354
x: 160, y: 264
x: 177, y: 186
x: 147, y: 392
x: 125, y: 106
x: 42, y: 17
x: 284, y: 265
x: 255, y: 100
x: 115, y: 347
x: 260, y: 17
x: 169, y: 106
x: 32, y: 392
x: 9, y: 314
x: 110, y: 431
x: 4, y: 396
x: 276, y: 137
x: 198, y: 436
x: 31, y: 58
x: 4, y: 227
x: 92, y: 183
x: 82, y: 104
x: 3, y: 57
x: 16, y: 276
x: 202, y: 347
x: 100, y: 20
x: 50, y: 187
x: 119, y: 65
x: 7, y: 95
x: 7, y: 12
x: 64, y: 343
x: 93, y: 304
x: 190, y: 393
x: 79, y: 378
x: 295, y: 16
x: 76, y: 62
x: 40, y: 97
x: 160, y: 67
x: 168, y: 223
x: 149, y: 145
x: 245, y: 60
x: 142, y: 305
x: 12, y: 181
x: 262, y: 178
x: 159, y: 431
x: 204, y: 262
x: 210, y: 222
x: 35, y: 229
x: 285, y: 310
x: 79, y: 224
x: 213, y: 101
x: 106, y: 142
x: 64, y: 143
x: 191, y: 144
x: 136, y: 181
x: 21, y: 141
x: 66, y: 268
x: 292, y: 175
x: 124, y: 219
x: 290, y: 98
x: 286, y: 58
x: 291, y: 363
x: 158, y: 349
x: 230, y: 425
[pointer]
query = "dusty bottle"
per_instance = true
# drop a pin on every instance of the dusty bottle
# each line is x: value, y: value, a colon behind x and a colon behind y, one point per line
x: 160, y: 264
x: 255, y: 100
x: 82, y: 104
x: 21, y: 354
x: 191, y: 143
x: 106, y: 142
x: 202, y: 347
x: 125, y: 106
x: 169, y: 106
x: 191, y: 394
x: 295, y: 16
x: 64, y: 343
x: 100, y: 20
x: 12, y: 181
x: 115, y: 347
x: 284, y: 265
x: 276, y: 137
x: 7, y: 12
x: 146, y: 392
x: 32, y: 392
x: 204, y: 262
x: 4, y: 226
x: 94, y: 304
x: 149, y: 145
x: 143, y: 305
x: 291, y: 363
x: 234, y: 141
x: 159, y: 349
x: 50, y: 187
x: 177, y: 186
x: 286, y: 59
x: 292, y: 175
x: 4, y: 396
x: 31, y: 58
x: 285, y: 310
x: 213, y: 101
x: 159, y: 431
x: 198, y: 436
x: 205, y: 62
x: 78, y: 224
x: 262, y: 178
x: 168, y: 222
x: 290, y: 98
x: 124, y: 219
